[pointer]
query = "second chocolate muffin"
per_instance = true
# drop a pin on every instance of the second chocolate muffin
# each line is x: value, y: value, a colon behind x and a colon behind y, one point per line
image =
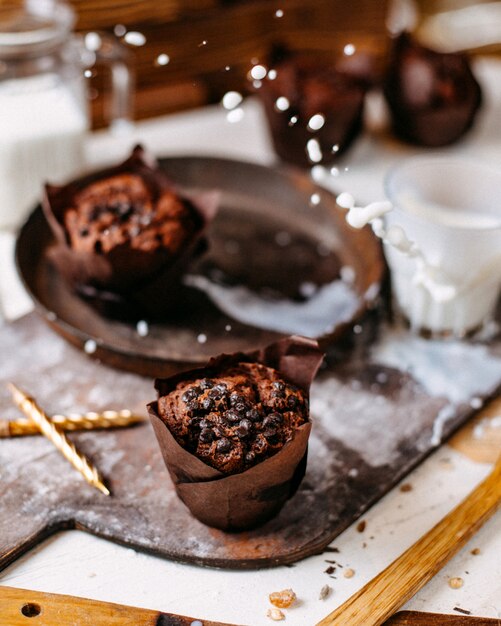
x: 236, y: 419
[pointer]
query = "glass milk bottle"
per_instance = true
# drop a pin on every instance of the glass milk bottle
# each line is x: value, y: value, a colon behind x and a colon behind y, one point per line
x: 43, y: 101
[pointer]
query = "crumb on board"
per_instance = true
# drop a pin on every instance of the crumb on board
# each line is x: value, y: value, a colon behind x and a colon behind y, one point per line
x: 406, y: 487
x: 475, y: 551
x: 325, y: 592
x: 456, y: 582
x: 283, y: 599
x: 460, y: 610
x: 349, y: 573
x: 361, y: 526
x: 331, y: 549
x: 275, y: 614
x: 330, y: 570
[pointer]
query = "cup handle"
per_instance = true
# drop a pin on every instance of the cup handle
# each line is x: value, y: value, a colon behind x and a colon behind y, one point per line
x: 99, y: 48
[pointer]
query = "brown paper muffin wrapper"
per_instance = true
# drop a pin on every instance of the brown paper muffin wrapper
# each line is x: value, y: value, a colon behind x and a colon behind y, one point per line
x: 245, y: 500
x: 124, y: 278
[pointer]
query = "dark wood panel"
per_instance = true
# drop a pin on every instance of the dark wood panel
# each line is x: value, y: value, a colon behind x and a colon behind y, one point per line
x: 235, y: 34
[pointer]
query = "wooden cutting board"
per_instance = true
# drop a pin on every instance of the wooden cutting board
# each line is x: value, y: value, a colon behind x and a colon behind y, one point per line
x: 18, y: 605
x: 373, y: 422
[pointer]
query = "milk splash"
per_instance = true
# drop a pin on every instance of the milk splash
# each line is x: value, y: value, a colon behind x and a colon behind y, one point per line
x: 432, y: 278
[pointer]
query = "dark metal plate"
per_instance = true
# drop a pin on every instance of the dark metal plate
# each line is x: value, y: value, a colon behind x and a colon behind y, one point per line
x: 269, y: 236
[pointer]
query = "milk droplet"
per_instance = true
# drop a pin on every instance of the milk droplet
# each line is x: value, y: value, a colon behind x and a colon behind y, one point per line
x: 258, y: 72
x: 142, y: 328
x: 90, y: 346
x: 293, y: 120
x: 202, y: 338
x: 349, y: 49
x: 314, y: 151
x: 316, y: 122
x: 282, y: 103
x: 92, y: 41
x: 315, y: 199
x: 318, y: 173
x: 279, y: 13
x: 307, y: 289
x: 345, y: 200
x: 347, y: 274
x: 335, y: 148
x: 119, y: 30
x: 476, y: 403
x: 88, y: 73
x: 272, y: 74
x: 162, y: 59
x: 135, y: 38
x: 334, y: 171
x: 231, y: 99
x: 227, y: 328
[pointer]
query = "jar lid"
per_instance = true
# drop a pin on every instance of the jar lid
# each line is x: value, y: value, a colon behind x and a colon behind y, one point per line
x: 38, y: 26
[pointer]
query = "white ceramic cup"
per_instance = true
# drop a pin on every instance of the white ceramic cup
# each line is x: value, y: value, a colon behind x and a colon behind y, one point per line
x: 451, y: 209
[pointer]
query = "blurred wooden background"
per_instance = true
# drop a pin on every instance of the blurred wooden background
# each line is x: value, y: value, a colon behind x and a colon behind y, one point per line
x: 212, y: 44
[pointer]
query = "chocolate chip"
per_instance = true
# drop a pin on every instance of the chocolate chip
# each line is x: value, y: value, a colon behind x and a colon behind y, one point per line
x: 206, y: 384
x: 191, y: 407
x: 208, y: 404
x: 223, y: 445
x: 189, y: 394
x: 250, y: 456
x: 279, y: 385
x: 273, y: 420
x: 84, y: 232
x: 253, y: 415
x: 232, y: 416
x: 215, y: 393
x: 206, y: 435
x: 98, y: 247
x: 222, y: 387
x: 236, y: 398
x: 243, y: 429
x: 271, y: 435
x: 205, y: 423
x: 292, y: 401
x: 241, y: 407
x: 278, y: 394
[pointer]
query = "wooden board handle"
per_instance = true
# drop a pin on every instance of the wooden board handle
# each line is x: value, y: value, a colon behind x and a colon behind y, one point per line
x: 388, y: 591
x: 48, y: 609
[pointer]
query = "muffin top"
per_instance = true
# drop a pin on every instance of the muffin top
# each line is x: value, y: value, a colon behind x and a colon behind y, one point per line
x: 122, y: 209
x: 312, y: 86
x: 234, y: 419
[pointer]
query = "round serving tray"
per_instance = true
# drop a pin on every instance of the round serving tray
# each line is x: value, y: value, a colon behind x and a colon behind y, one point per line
x: 276, y: 232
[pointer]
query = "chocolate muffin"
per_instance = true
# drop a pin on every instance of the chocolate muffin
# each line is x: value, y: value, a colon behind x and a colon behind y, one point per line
x: 122, y: 209
x: 234, y: 434
x: 236, y: 419
x: 126, y: 233
x: 314, y: 111
x: 433, y: 97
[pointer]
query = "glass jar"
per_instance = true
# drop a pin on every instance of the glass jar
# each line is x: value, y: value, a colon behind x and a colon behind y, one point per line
x: 44, y: 113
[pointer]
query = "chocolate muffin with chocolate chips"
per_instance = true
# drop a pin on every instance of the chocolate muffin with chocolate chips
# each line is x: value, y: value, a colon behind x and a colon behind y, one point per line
x: 122, y: 209
x: 124, y: 229
x: 236, y: 419
x: 234, y: 434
